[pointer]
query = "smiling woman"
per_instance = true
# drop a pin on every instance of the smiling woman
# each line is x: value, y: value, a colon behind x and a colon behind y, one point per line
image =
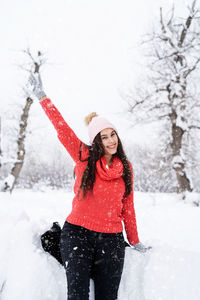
x: 92, y: 243
x: 108, y: 134
x: 110, y: 143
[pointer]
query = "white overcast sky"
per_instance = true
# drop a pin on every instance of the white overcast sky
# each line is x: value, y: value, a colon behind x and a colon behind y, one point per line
x: 91, y: 46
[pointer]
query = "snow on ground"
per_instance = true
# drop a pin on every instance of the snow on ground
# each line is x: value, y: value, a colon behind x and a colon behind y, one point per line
x: 170, y: 271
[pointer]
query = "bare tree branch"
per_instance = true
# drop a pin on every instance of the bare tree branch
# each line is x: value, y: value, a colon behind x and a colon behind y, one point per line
x: 187, y: 26
x: 169, y: 24
x: 186, y: 73
x: 161, y: 22
x: 194, y: 127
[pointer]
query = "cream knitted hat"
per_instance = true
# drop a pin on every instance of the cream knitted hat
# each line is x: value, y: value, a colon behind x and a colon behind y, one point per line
x: 96, y: 124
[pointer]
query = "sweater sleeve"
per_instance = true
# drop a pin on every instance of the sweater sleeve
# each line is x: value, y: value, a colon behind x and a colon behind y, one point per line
x: 65, y: 134
x: 129, y: 217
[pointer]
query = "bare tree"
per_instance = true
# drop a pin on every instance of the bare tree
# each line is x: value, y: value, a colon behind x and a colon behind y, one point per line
x: 174, y: 56
x: 9, y: 183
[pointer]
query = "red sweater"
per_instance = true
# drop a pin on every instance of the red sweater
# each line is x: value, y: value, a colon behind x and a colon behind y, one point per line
x: 103, y: 209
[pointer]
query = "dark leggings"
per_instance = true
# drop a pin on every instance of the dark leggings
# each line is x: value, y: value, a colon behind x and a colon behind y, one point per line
x: 89, y: 254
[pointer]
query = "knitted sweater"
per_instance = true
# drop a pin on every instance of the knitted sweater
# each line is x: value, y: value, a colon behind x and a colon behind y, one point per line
x: 103, y: 208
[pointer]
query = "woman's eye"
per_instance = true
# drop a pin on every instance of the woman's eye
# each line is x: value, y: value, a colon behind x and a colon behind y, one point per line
x: 105, y: 137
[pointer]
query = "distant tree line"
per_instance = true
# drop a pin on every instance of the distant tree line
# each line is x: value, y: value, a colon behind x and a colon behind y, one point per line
x: 56, y: 172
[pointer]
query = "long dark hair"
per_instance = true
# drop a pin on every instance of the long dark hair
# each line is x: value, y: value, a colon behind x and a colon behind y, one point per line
x: 96, y: 151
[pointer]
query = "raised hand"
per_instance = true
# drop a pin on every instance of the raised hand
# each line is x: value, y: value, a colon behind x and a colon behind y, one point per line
x: 34, y: 86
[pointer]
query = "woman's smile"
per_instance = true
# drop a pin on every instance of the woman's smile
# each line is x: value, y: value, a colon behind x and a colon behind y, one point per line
x: 112, y: 146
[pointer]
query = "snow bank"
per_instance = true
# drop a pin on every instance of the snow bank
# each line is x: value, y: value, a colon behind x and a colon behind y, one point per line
x: 169, y: 271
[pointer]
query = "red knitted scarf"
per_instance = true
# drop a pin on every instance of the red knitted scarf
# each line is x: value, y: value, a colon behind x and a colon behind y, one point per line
x: 109, y: 172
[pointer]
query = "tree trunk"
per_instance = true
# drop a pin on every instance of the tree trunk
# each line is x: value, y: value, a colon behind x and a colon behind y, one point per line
x: 178, y: 161
x: 10, y: 181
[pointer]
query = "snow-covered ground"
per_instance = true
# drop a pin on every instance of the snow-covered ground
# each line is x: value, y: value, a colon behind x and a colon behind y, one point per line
x: 170, y: 271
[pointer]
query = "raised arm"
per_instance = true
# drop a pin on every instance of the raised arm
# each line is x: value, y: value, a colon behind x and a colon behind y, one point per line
x: 65, y: 134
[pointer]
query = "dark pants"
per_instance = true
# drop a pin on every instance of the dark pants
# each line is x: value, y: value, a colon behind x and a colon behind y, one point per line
x: 89, y: 254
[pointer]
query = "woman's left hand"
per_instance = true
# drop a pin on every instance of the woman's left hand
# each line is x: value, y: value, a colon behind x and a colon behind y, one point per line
x: 141, y: 248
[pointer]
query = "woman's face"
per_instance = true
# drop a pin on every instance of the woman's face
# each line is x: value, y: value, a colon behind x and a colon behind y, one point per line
x: 109, y: 140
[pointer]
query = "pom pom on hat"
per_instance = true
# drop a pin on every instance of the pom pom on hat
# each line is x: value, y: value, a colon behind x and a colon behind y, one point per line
x: 95, y: 124
x: 89, y: 118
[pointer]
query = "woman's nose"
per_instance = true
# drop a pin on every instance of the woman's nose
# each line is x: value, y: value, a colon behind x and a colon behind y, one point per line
x: 111, y: 139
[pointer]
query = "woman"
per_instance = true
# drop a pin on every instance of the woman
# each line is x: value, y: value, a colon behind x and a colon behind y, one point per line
x: 92, y: 243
